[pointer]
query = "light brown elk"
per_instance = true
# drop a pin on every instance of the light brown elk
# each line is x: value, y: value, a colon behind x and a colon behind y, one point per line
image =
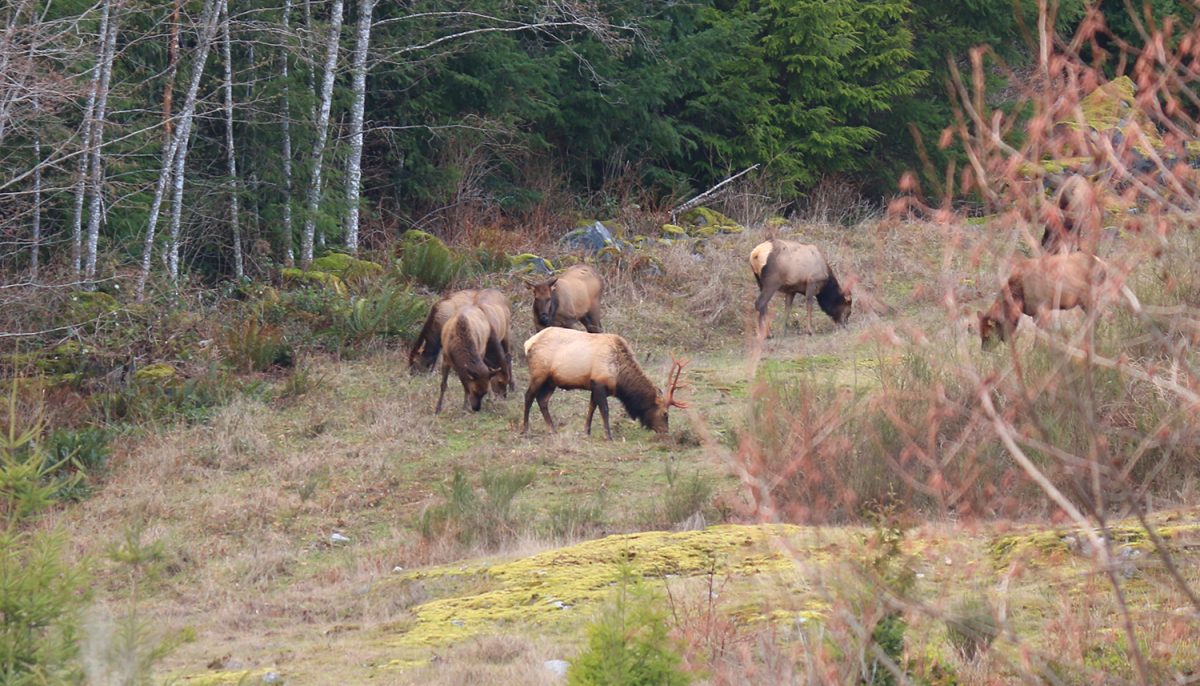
x: 1042, y: 284
x: 789, y: 267
x: 499, y: 314
x: 573, y: 296
x: 603, y: 364
x: 466, y: 340
x: 424, y: 352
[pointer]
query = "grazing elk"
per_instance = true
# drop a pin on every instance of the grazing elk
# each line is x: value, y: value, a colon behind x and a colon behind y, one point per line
x: 466, y: 340
x: 790, y: 267
x: 573, y: 296
x: 495, y: 305
x: 603, y: 364
x: 1039, y: 285
x: 424, y: 352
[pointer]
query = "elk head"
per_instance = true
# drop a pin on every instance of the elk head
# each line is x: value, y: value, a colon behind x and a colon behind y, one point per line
x: 544, y: 306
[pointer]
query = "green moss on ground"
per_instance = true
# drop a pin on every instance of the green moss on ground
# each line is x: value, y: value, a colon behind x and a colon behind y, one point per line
x: 553, y: 587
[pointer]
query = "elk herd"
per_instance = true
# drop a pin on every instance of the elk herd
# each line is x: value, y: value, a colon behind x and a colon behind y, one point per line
x: 469, y: 331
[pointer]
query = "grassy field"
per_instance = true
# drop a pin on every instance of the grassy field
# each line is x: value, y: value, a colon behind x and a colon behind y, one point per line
x: 316, y: 536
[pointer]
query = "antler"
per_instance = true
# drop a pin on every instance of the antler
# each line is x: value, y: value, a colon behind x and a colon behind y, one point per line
x: 673, y: 382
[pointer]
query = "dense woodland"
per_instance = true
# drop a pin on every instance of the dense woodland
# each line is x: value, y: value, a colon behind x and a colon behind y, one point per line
x: 228, y: 139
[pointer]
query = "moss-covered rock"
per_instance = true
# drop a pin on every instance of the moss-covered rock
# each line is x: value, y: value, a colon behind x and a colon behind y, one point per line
x: 157, y: 373
x: 702, y: 221
x: 673, y: 231
x: 299, y: 278
x: 348, y: 268
x: 64, y: 358
x: 531, y: 264
x: 1113, y: 107
x: 85, y: 306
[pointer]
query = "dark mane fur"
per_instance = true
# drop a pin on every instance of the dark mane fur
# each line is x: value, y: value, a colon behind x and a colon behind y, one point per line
x: 831, y: 295
x: 462, y: 354
x: 635, y: 391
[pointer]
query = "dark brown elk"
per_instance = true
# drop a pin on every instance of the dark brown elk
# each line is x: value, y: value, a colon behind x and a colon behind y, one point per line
x: 467, y: 339
x: 603, y: 364
x: 573, y: 296
x: 790, y: 268
x: 424, y: 352
x: 1042, y: 284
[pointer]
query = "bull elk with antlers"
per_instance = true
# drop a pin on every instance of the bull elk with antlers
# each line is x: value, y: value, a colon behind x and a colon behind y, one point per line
x: 603, y: 364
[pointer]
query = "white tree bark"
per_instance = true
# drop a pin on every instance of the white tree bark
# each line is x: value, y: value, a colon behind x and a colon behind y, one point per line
x: 96, y: 179
x: 318, y: 154
x: 35, y: 242
x: 82, y: 170
x: 366, y: 8
x: 177, y: 146
x: 235, y: 227
x: 289, y: 255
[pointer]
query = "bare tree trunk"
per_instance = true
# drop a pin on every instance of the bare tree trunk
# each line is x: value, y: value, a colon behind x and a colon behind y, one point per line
x: 314, y: 188
x: 97, y: 143
x: 181, y: 151
x: 354, y: 165
x: 35, y: 243
x: 178, y: 144
x: 172, y: 68
x: 289, y: 255
x: 238, y: 267
x: 82, y: 170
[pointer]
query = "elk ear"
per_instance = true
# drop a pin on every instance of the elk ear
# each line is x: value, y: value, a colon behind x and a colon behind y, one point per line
x: 551, y: 282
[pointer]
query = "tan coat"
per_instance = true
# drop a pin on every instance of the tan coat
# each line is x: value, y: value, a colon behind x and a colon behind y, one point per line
x: 573, y: 296
x: 792, y: 268
x: 467, y: 339
x: 599, y: 362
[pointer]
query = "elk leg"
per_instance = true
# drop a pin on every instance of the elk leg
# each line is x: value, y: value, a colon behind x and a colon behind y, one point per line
x: 764, y: 299
x: 599, y: 399
x: 587, y: 424
x: 543, y: 400
x: 506, y: 344
x: 603, y: 403
x: 529, y: 393
x: 809, y: 295
x: 787, y: 315
x: 442, y: 394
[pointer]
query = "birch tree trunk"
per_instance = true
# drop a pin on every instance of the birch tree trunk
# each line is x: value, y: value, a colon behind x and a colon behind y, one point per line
x: 318, y: 154
x: 97, y: 144
x: 82, y: 169
x: 172, y: 68
x: 35, y: 239
x: 359, y: 88
x: 238, y: 268
x: 181, y: 151
x: 174, y: 148
x: 289, y: 255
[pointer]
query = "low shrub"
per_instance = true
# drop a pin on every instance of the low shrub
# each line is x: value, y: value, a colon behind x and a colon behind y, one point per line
x: 485, y: 515
x: 249, y: 345
x: 74, y: 457
x: 41, y: 592
x: 629, y: 643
